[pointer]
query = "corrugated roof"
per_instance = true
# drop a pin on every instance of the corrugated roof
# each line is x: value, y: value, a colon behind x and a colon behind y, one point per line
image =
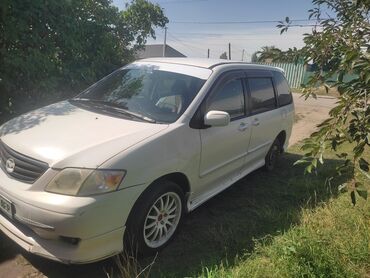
x: 156, y: 50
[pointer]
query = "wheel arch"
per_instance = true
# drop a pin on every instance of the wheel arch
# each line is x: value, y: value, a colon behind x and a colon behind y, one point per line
x: 282, y: 138
x: 176, y: 177
x: 179, y: 178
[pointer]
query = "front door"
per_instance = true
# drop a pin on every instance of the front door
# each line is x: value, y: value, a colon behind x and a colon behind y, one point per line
x: 224, y: 148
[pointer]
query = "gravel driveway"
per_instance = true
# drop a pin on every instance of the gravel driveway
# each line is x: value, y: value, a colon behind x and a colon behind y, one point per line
x: 14, y: 262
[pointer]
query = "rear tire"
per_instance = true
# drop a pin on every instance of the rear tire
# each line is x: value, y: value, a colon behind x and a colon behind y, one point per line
x: 273, y: 155
x: 155, y: 219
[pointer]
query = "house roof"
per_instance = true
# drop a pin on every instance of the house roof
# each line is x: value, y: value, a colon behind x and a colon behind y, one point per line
x: 156, y: 50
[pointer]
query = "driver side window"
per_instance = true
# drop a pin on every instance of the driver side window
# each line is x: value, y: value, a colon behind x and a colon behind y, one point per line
x: 229, y: 98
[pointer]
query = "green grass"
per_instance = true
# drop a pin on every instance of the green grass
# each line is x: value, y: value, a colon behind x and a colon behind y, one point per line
x: 331, y: 241
x: 279, y: 224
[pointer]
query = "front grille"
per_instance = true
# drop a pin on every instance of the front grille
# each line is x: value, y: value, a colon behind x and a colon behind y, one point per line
x: 26, y: 168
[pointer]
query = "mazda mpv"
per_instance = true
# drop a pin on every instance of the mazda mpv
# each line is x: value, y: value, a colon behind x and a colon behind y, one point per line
x: 122, y: 162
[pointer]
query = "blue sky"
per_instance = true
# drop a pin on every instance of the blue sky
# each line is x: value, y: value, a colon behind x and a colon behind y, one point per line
x: 194, y: 39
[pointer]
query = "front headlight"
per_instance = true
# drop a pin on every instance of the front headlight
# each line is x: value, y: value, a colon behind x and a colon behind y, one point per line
x: 85, y: 182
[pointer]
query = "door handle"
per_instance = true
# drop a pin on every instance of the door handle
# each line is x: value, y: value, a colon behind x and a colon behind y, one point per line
x: 243, y: 127
x: 256, y: 122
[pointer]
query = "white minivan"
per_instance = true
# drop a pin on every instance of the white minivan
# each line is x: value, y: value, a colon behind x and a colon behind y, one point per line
x: 122, y: 162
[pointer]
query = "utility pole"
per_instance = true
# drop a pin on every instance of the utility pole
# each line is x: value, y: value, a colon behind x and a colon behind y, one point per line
x: 165, y: 41
x: 208, y: 53
x: 229, y: 51
x: 243, y: 55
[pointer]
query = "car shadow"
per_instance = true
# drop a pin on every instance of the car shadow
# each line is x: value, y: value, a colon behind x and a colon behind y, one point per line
x: 260, y: 205
x: 8, y: 249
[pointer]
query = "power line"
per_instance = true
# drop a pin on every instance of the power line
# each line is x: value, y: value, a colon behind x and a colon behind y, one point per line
x: 242, y: 37
x: 185, y: 44
x: 197, y: 49
x: 179, y: 1
x: 231, y: 34
x: 240, y: 22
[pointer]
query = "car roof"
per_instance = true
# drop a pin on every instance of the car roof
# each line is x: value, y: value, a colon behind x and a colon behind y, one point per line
x: 208, y: 63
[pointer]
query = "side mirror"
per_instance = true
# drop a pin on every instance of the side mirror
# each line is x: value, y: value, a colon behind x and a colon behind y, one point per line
x: 217, y: 118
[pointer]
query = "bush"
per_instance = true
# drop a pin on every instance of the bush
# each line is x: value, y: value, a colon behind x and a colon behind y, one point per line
x: 51, y: 49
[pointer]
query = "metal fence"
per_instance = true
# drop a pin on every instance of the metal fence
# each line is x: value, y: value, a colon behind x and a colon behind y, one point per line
x: 294, y: 73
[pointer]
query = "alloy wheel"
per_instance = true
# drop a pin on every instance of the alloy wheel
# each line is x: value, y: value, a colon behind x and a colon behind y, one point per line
x: 162, y: 219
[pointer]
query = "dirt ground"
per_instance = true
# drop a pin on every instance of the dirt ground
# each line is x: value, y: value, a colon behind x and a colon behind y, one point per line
x: 308, y: 114
x: 14, y: 262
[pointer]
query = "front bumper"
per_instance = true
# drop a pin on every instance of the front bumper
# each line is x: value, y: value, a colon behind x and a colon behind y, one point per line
x: 42, y: 221
x: 86, y: 251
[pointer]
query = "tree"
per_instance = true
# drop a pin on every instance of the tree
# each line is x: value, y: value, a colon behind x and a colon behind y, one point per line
x: 254, y: 57
x: 268, y: 53
x: 223, y: 56
x: 62, y: 46
x: 274, y: 54
x: 340, y: 44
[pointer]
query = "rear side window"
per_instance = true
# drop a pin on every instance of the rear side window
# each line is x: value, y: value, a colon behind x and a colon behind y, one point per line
x: 262, y: 94
x: 284, y: 94
x: 229, y: 98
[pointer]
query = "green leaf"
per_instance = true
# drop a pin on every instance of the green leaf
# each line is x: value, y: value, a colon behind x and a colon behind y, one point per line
x: 327, y: 88
x: 321, y: 159
x: 283, y: 30
x: 359, y: 149
x: 307, y: 146
x: 325, y: 123
x: 361, y: 190
x: 301, y: 161
x: 358, y: 184
x: 364, y: 173
x: 353, y: 198
x: 314, y: 163
x: 342, y: 155
x: 364, y: 165
x: 309, y: 169
x: 342, y: 187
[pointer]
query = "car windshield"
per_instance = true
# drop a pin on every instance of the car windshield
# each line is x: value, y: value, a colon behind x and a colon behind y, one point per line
x: 142, y: 93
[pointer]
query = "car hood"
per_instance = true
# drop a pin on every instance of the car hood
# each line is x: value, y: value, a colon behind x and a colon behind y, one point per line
x: 64, y: 135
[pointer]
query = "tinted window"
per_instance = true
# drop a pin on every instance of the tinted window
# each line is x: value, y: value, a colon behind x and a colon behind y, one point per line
x: 262, y: 94
x: 229, y: 98
x: 284, y: 95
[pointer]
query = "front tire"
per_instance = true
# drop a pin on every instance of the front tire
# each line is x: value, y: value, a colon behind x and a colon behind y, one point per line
x: 155, y: 219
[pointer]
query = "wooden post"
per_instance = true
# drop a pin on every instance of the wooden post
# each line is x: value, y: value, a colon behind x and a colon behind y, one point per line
x: 229, y: 51
x: 165, y: 41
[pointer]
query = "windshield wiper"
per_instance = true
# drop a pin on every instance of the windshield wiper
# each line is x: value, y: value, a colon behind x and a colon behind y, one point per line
x: 132, y: 114
x: 116, y: 108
